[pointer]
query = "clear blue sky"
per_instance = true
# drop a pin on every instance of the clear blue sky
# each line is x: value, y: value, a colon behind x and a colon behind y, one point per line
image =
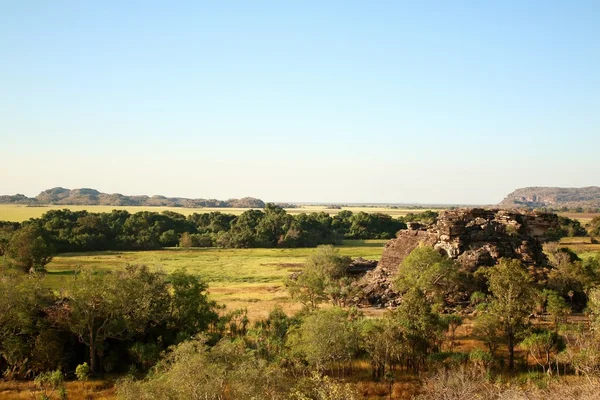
x: 349, y: 101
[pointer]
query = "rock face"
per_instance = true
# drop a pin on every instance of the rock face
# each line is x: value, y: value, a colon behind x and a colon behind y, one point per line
x: 474, y: 237
x: 536, y: 197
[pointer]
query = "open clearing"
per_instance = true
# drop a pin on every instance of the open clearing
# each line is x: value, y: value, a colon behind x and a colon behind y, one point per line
x: 19, y: 213
x: 238, y: 278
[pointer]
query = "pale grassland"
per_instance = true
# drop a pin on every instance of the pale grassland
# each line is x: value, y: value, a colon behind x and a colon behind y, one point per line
x: 249, y: 278
x: 19, y: 213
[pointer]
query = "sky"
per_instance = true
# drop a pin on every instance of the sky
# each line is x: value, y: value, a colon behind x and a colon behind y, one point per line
x: 456, y: 102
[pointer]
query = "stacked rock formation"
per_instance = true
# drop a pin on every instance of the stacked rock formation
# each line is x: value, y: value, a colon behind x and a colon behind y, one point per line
x: 474, y: 237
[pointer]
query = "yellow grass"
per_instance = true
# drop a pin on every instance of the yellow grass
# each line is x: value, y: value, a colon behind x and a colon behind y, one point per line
x: 92, y: 390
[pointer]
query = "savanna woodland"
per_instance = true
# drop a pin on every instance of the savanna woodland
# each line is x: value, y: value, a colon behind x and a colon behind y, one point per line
x: 141, y: 333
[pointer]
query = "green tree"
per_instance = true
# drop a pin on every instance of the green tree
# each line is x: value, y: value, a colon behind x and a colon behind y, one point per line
x: 429, y: 271
x: 29, y: 249
x: 325, y: 338
x: 512, y: 300
x: 487, y: 328
x: 383, y: 340
x: 192, y: 370
x: 191, y: 311
x: 320, y: 278
x: 421, y: 327
x: 593, y: 227
x: 557, y: 307
x: 27, y: 343
x: 540, y: 345
x: 114, y: 305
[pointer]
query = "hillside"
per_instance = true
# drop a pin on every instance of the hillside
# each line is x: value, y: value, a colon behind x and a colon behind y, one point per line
x: 62, y: 196
x: 553, y: 197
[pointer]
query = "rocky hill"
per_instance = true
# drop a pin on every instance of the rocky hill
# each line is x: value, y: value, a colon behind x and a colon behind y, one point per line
x: 90, y: 197
x: 554, y: 197
x: 474, y: 237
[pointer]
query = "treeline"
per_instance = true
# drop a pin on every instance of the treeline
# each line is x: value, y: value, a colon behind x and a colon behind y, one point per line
x: 76, y: 231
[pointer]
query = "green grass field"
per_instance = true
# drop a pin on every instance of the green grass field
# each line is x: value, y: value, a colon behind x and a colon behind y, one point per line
x: 19, y: 213
x: 251, y: 278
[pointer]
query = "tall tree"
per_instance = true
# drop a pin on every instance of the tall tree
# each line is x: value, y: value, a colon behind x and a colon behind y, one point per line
x: 428, y: 270
x: 512, y: 300
x: 114, y: 305
x: 29, y: 249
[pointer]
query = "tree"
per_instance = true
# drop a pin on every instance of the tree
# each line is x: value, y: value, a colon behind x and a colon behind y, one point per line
x: 593, y: 227
x: 453, y: 321
x: 192, y: 370
x: 114, y: 305
x: 428, y: 270
x: 29, y: 249
x: 23, y: 332
x: 383, y: 341
x: 7, y: 229
x: 321, y: 276
x: 512, y: 300
x: 421, y: 327
x: 487, y: 328
x: 325, y: 338
x: 557, y: 307
x: 191, y: 311
x: 541, y: 345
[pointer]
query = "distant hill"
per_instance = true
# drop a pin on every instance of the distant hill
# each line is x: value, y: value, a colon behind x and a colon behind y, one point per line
x: 553, y: 197
x: 91, y: 197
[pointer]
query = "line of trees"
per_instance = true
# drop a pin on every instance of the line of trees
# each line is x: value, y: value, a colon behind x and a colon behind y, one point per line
x: 30, y: 245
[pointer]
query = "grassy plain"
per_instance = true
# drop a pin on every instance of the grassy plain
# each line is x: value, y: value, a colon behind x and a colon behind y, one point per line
x: 238, y: 278
x: 19, y: 213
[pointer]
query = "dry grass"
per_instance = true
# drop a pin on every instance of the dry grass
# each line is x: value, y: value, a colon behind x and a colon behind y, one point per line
x: 584, y: 218
x: 92, y: 390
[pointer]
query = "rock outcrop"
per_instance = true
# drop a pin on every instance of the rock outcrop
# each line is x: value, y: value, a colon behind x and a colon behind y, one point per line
x: 553, y: 197
x: 89, y: 197
x: 474, y: 237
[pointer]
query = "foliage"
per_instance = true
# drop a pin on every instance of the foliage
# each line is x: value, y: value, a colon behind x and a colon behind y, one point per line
x: 74, y: 231
x: 421, y: 328
x: 320, y: 279
x: 593, y: 227
x: 82, y: 372
x: 192, y: 370
x: 27, y: 343
x: 567, y: 227
x: 540, y: 345
x: 512, y: 300
x: 319, y: 387
x: 29, y: 249
x: 325, y: 338
x: 429, y: 271
x: 48, y: 383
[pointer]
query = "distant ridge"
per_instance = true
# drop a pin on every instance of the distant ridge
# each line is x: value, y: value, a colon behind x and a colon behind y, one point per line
x: 553, y: 197
x: 92, y: 197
